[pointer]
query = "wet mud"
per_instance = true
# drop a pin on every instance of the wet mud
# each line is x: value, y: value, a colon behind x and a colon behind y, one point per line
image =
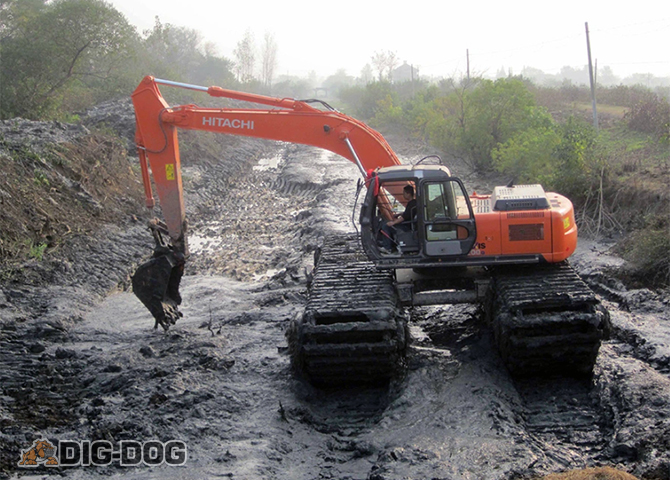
x: 79, y: 358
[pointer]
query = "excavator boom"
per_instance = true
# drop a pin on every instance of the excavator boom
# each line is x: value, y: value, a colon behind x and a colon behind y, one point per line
x: 156, y: 283
x: 288, y: 120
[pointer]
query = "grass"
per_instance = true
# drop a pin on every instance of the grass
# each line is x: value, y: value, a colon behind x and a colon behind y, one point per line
x: 37, y: 251
x: 613, y: 110
x: 40, y: 178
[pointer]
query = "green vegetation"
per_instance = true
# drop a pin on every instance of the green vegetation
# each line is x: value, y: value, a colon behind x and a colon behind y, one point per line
x: 648, y: 250
x: 617, y: 176
x: 40, y: 178
x: 63, y: 56
x: 37, y: 251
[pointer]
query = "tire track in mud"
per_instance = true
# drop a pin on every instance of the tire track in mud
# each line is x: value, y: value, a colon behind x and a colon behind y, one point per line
x: 338, y: 429
x: 640, y: 318
x: 641, y: 327
x: 346, y: 413
x: 303, y: 190
x: 261, y: 222
x: 563, y: 419
x: 39, y: 384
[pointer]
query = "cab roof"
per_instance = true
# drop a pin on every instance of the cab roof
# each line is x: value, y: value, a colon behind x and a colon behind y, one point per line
x: 404, y: 172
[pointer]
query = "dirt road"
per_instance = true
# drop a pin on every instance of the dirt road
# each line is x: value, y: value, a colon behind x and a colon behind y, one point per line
x: 75, y: 366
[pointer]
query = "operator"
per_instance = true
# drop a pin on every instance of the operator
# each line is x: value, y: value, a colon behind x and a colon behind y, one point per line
x: 396, y: 224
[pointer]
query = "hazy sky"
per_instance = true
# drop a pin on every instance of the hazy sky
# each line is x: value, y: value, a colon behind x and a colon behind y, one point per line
x: 629, y: 36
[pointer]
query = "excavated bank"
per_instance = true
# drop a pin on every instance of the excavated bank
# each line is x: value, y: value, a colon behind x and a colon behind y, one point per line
x: 545, y: 320
x: 353, y: 330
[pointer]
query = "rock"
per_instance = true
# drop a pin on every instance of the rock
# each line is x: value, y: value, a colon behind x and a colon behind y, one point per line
x: 147, y: 351
x: 63, y: 353
x: 158, y: 399
x: 36, y: 348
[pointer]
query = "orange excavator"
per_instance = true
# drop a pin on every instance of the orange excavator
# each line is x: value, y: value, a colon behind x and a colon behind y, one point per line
x: 507, y: 250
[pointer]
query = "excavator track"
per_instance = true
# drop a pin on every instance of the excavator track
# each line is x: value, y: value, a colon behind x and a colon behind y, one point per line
x: 353, y: 330
x: 545, y: 320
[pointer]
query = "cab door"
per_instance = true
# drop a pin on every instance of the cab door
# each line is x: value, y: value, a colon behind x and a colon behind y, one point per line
x: 448, y: 220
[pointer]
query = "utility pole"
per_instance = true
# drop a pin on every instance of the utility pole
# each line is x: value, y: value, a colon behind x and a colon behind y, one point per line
x: 593, y: 83
x: 467, y: 59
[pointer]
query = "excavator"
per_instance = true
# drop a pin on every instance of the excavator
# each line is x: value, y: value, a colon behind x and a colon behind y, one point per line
x: 507, y: 251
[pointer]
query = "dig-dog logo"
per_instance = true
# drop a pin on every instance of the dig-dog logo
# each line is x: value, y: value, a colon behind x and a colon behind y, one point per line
x: 126, y: 453
x: 42, y: 452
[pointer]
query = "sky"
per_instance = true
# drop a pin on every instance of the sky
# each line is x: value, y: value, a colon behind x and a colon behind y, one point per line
x: 434, y: 36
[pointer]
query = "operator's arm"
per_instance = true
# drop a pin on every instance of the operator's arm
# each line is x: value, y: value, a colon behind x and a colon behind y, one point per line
x: 398, y: 219
x: 405, y: 216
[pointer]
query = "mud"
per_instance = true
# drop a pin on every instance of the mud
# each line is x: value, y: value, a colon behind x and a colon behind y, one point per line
x: 80, y: 360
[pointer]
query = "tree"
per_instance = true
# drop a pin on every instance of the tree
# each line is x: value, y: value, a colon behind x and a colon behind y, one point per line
x: 606, y: 76
x: 269, y: 59
x: 366, y: 74
x: 495, y: 111
x: 14, y: 13
x: 474, y: 116
x: 392, y: 62
x: 213, y: 70
x: 575, y: 76
x: 561, y: 157
x: 171, y: 51
x: 379, y: 64
x: 385, y: 63
x: 56, y: 46
x: 528, y: 156
x: 312, y: 78
x: 292, y: 87
x: 245, y: 55
x: 368, y: 102
x: 337, y: 81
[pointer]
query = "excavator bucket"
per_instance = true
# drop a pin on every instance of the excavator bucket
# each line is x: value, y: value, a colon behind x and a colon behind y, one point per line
x: 156, y: 282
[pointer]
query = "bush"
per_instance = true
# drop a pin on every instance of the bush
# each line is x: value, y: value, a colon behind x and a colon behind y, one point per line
x: 367, y: 102
x: 562, y: 157
x: 651, y: 116
x: 576, y: 164
x: 529, y: 155
x: 648, y: 251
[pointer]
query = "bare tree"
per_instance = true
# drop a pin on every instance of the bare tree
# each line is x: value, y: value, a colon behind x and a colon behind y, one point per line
x: 245, y: 56
x: 269, y: 59
x: 384, y: 63
x: 392, y: 62
x: 379, y: 64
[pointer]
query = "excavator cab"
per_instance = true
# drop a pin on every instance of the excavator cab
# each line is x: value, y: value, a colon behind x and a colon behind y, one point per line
x: 441, y: 231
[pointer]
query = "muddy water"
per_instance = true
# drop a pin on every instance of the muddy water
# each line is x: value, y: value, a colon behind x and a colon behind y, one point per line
x: 221, y: 379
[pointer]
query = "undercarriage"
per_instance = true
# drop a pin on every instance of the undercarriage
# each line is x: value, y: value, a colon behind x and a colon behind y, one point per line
x: 353, y: 329
x: 544, y: 318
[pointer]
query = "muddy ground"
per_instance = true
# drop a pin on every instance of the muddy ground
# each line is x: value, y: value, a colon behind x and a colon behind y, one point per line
x: 79, y: 358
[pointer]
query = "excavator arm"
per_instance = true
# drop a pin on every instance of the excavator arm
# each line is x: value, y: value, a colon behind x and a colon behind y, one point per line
x: 156, y: 283
x: 288, y: 121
